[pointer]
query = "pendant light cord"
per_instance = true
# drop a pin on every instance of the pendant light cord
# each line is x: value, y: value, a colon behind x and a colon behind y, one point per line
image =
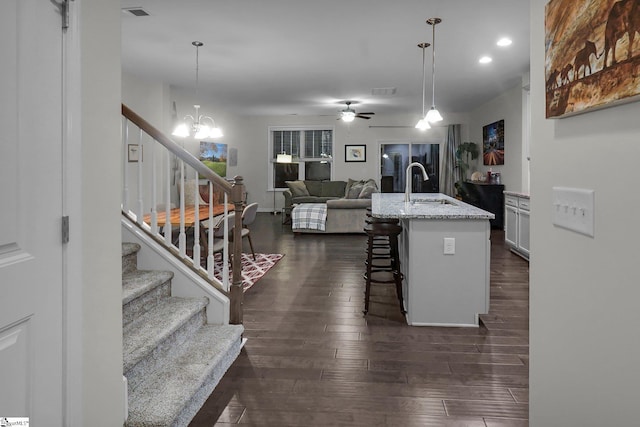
x: 433, y: 64
x: 424, y: 46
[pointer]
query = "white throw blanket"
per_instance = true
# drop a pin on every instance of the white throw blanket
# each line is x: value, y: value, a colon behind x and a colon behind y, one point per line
x: 309, y: 216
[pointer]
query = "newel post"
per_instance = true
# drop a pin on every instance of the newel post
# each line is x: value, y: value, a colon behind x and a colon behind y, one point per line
x: 236, y: 293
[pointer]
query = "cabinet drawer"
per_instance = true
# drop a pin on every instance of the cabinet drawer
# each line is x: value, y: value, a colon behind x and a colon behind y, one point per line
x: 524, y: 204
x: 511, y: 201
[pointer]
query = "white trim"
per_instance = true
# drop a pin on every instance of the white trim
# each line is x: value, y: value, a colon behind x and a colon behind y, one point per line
x: 445, y: 325
x: 73, y: 257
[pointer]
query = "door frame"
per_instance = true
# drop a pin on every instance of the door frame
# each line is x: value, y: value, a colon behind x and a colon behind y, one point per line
x: 72, y: 253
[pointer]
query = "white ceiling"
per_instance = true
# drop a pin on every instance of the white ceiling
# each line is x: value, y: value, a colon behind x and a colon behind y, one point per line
x: 278, y: 57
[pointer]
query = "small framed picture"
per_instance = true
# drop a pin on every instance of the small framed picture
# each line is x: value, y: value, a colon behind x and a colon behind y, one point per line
x: 355, y: 153
x: 134, y: 153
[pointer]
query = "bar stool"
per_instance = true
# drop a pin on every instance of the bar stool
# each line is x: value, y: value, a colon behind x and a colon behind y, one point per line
x: 380, y: 243
x: 382, y: 235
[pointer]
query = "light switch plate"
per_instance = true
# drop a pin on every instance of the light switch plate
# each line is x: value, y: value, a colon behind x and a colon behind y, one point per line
x: 573, y: 209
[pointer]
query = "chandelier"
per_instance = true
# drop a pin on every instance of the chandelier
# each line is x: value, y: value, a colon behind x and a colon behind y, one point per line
x: 198, y: 125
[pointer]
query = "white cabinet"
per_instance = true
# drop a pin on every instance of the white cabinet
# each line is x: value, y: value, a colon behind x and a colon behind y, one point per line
x: 516, y: 228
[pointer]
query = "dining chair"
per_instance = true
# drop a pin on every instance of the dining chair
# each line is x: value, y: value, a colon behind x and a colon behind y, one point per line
x: 218, y: 232
x: 248, y: 216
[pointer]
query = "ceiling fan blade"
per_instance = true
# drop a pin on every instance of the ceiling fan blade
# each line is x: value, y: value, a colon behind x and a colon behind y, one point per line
x: 362, y: 117
x: 368, y: 113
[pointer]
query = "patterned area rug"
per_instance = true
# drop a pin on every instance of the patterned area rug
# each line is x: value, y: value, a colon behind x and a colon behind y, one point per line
x: 252, y: 270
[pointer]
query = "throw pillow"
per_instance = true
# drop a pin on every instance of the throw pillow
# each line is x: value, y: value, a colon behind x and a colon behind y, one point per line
x: 297, y: 188
x: 348, y: 187
x: 368, y: 188
x: 354, y: 189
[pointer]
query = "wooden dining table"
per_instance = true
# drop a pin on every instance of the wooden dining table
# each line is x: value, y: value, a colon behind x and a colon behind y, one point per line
x: 189, y: 214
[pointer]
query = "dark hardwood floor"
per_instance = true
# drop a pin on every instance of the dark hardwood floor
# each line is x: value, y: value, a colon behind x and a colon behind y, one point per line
x: 313, y: 359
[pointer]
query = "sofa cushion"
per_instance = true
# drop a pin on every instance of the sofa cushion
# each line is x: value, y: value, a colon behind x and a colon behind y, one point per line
x: 368, y: 188
x: 298, y: 188
x: 314, y: 188
x: 312, y: 199
x: 348, y: 203
x: 333, y: 188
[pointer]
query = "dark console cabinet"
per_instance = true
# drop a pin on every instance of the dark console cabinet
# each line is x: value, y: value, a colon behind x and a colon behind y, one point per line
x: 489, y: 197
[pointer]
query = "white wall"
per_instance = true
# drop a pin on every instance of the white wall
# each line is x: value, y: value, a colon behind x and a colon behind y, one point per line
x: 148, y: 98
x: 507, y: 107
x: 151, y: 100
x: 584, y: 291
x: 101, y: 323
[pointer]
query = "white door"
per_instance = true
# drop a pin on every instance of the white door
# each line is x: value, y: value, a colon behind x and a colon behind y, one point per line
x: 31, y: 263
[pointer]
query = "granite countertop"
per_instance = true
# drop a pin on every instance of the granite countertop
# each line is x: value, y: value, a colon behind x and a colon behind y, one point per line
x: 516, y: 193
x: 392, y: 205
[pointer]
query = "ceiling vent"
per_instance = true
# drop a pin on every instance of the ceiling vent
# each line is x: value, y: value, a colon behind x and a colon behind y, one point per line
x: 136, y: 11
x: 383, y: 91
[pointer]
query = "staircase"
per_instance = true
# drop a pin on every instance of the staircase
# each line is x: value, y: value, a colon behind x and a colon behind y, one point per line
x: 173, y: 359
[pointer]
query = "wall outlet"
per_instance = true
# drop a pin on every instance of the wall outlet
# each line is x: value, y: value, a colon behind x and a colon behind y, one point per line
x: 449, y: 245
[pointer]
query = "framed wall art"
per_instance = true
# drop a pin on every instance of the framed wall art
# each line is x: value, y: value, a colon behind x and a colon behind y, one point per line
x: 592, y: 55
x: 493, y: 143
x: 355, y: 153
x: 214, y: 156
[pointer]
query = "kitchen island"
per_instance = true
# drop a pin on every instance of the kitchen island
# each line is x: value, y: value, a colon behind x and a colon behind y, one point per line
x: 445, y: 255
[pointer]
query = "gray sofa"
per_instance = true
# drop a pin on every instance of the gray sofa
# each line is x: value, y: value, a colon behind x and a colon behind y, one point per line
x: 347, y: 202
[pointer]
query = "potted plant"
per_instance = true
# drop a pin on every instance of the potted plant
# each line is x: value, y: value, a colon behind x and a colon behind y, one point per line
x: 466, y: 152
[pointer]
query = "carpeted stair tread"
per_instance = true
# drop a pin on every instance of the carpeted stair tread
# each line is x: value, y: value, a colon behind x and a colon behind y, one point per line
x: 139, y: 282
x: 129, y: 248
x: 172, y: 396
x: 144, y: 334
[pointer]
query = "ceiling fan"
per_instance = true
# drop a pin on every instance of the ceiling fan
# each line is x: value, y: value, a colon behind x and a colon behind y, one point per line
x: 349, y: 114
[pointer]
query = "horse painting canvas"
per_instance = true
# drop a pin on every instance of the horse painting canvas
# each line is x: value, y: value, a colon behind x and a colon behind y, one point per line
x: 592, y: 55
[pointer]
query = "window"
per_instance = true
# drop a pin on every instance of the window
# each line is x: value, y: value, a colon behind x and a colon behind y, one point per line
x: 311, y: 150
x: 394, y: 159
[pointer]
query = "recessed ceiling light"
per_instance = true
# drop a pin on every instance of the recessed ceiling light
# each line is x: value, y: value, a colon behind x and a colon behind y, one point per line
x: 504, y: 42
x: 485, y: 60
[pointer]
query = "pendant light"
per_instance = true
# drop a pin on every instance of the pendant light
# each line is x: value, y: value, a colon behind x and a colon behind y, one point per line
x: 423, y: 124
x: 433, y: 115
x: 198, y: 125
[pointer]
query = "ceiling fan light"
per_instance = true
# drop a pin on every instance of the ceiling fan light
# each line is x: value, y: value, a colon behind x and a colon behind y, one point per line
x: 348, y: 116
x: 433, y: 115
x: 181, y: 130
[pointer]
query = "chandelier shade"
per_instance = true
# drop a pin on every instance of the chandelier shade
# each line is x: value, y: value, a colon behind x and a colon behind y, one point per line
x: 200, y: 126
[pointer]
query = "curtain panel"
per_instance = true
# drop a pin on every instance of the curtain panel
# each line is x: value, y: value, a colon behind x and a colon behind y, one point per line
x: 452, y: 172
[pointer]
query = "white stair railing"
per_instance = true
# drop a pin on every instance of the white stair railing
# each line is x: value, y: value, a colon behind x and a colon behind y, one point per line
x: 156, y: 172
